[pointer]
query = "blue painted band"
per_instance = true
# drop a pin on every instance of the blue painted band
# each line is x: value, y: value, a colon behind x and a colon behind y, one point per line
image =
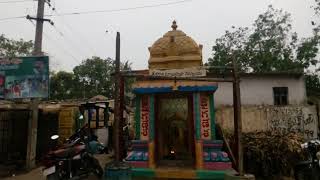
x: 170, y: 89
x: 197, y: 88
x: 152, y: 90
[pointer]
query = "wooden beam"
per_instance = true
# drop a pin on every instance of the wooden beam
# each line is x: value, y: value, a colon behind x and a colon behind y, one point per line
x: 237, y: 118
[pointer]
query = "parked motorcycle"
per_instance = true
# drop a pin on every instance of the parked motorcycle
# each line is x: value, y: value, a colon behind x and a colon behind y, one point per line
x: 309, y: 169
x: 74, y: 159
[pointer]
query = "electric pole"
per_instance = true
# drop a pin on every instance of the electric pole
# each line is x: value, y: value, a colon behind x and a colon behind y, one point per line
x: 37, y: 51
x: 39, y: 29
x: 34, y: 105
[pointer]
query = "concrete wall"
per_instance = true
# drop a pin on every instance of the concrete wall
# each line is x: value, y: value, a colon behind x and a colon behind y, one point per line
x: 257, y: 90
x: 261, y: 118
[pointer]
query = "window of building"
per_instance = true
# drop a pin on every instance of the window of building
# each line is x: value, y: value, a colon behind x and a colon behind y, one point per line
x: 280, y: 95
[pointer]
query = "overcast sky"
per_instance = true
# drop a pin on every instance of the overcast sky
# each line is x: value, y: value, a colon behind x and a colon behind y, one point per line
x: 76, y: 37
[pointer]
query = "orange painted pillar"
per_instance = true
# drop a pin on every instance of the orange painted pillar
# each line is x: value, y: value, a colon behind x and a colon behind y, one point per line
x: 199, y: 154
x: 151, y: 151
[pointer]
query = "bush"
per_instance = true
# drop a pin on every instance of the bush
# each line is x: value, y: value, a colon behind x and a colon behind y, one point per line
x: 271, y: 154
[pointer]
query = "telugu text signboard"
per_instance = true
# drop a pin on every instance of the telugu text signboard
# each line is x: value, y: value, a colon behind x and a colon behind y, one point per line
x: 24, y: 77
x: 205, y: 117
x: 183, y: 73
x: 145, y: 117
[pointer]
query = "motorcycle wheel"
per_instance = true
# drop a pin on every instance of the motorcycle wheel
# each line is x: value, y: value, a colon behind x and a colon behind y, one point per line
x: 300, y: 175
x: 54, y: 176
x: 306, y: 174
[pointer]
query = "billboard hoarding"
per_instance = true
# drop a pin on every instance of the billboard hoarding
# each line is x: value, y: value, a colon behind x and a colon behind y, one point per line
x: 24, y: 77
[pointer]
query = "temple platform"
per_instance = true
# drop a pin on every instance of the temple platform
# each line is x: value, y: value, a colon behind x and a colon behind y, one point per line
x: 176, y: 173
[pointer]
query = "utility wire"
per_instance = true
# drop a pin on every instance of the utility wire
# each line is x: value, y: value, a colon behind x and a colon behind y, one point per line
x: 104, y: 11
x: 18, y: 1
x: 73, y: 32
x: 9, y: 18
x: 74, y: 44
x: 64, y: 50
x: 67, y: 40
x: 122, y: 9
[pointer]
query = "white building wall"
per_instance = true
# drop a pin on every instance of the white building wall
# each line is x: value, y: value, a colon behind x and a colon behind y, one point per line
x: 294, y: 118
x: 259, y: 90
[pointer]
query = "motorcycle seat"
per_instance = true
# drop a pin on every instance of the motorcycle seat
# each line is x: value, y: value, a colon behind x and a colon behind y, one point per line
x: 70, y: 144
x: 67, y: 152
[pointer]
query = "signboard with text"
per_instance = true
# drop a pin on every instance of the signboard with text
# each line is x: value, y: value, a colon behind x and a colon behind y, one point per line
x: 183, y: 73
x: 24, y: 77
x: 205, y: 117
x: 145, y: 117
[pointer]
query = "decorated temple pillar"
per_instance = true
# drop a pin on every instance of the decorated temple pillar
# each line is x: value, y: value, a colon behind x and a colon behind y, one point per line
x: 198, y: 140
x: 151, y: 132
x: 143, y: 154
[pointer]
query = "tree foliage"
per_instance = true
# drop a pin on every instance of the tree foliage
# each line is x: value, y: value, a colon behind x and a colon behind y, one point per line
x: 14, y: 48
x: 92, y: 77
x: 269, y: 45
x: 62, y: 85
x: 317, y: 7
x: 313, y: 84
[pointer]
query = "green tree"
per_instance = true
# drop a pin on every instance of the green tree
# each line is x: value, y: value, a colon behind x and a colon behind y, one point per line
x: 313, y: 79
x: 270, y: 45
x: 14, y: 48
x: 62, y: 85
x: 230, y: 44
x: 313, y: 84
x: 317, y: 7
x: 94, y: 76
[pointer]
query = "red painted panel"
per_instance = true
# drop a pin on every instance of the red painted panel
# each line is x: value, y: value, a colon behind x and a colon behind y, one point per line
x: 218, y: 165
x: 205, y: 117
x: 145, y: 117
x: 139, y: 164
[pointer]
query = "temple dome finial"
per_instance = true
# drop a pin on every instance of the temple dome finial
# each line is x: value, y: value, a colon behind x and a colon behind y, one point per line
x: 175, y: 50
x: 174, y: 25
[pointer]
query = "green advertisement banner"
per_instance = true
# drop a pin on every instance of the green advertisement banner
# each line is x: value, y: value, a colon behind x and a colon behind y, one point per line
x: 24, y: 77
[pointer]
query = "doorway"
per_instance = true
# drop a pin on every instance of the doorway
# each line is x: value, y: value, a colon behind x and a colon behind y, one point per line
x: 174, y: 130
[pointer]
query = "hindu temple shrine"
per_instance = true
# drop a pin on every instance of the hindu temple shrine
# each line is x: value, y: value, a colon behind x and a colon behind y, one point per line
x: 175, y: 130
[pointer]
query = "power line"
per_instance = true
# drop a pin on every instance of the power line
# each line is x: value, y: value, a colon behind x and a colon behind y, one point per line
x: 57, y: 45
x: 104, y: 11
x: 18, y: 1
x: 122, y: 9
x: 9, y: 18
x: 73, y: 32
x: 67, y: 40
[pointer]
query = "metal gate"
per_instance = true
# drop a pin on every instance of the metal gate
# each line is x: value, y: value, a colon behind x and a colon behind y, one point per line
x: 4, y: 134
x: 13, y: 135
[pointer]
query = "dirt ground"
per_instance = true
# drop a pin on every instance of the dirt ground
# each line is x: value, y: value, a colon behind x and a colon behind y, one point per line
x: 36, y: 174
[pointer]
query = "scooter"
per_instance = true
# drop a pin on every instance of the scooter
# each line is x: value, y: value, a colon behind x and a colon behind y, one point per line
x: 74, y: 159
x: 310, y: 169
